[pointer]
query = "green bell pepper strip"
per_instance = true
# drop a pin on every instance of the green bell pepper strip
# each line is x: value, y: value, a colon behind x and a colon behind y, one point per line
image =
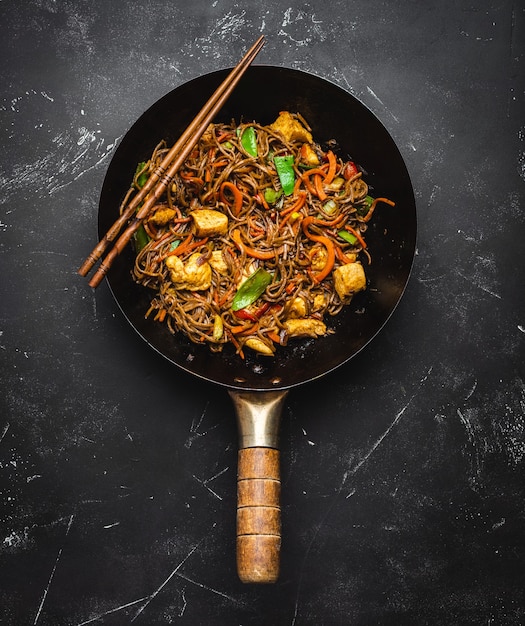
x: 249, y: 141
x: 285, y: 170
x: 348, y: 237
x: 140, y: 238
x: 251, y: 289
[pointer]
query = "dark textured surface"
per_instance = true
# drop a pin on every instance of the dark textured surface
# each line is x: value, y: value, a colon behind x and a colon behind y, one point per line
x: 403, y: 481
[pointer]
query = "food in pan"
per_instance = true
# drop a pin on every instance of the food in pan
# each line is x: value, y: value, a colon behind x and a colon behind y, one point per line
x: 259, y: 238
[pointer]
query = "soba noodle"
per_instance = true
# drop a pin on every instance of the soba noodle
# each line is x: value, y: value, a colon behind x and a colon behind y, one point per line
x: 258, y: 238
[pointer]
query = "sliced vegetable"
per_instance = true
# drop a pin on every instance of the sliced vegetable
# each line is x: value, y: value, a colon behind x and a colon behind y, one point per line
x: 330, y: 207
x: 251, y: 289
x: 332, y: 169
x: 350, y: 170
x: 140, y: 238
x: 271, y: 195
x: 218, y: 327
x: 249, y: 141
x: 236, y: 205
x: 348, y: 237
x: 284, y: 167
x: 363, y: 208
x: 373, y: 205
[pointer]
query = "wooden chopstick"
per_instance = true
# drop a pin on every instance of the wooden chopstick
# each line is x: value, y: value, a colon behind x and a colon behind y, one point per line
x: 164, y: 173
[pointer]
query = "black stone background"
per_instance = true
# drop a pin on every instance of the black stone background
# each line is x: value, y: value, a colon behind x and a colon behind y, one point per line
x: 403, y: 482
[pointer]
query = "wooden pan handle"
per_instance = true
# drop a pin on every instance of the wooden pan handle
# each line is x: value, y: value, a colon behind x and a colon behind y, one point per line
x: 258, y: 515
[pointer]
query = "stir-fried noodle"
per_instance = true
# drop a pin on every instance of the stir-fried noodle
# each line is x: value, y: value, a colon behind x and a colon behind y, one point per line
x: 258, y: 238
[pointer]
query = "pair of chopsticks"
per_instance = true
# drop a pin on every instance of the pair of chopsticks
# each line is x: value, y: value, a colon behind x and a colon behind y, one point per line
x: 163, y: 174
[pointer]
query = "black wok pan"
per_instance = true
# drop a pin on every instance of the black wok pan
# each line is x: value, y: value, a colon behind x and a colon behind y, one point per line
x: 258, y: 385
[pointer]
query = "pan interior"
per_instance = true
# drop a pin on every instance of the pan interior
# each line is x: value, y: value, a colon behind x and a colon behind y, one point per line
x: 333, y: 114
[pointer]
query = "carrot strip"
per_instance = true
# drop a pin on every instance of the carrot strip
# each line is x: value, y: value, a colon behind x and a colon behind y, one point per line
x: 190, y: 178
x: 186, y: 246
x: 356, y: 234
x: 237, y: 196
x: 314, y: 171
x: 257, y: 254
x: 318, y: 181
x: 244, y: 328
x: 309, y: 186
x: 318, y: 173
x: 297, y: 205
x: 177, y: 250
x: 341, y: 256
x: 297, y: 185
x: 273, y: 336
x: 332, y: 161
x: 367, y: 217
x: 262, y: 200
x: 327, y: 243
x: 223, y: 136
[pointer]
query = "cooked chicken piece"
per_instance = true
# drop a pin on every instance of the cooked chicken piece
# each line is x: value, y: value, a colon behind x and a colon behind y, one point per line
x: 319, y: 302
x: 297, y: 308
x: 308, y: 155
x: 218, y: 263
x: 349, y: 279
x: 305, y: 327
x: 318, y: 258
x: 208, y: 133
x: 351, y: 256
x: 194, y: 275
x: 162, y: 216
x: 290, y: 128
x: 259, y: 346
x: 209, y: 222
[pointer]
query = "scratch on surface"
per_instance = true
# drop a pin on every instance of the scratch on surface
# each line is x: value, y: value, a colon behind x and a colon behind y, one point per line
x: 352, y: 492
x: 311, y: 543
x: 313, y: 27
x: 226, y: 28
x: 399, y: 415
x: 309, y: 441
x: 376, y: 97
x: 184, y: 604
x: 4, y: 432
x: 111, y: 525
x: 204, y: 483
x: 44, y: 596
x: 475, y: 461
x: 480, y: 286
x: 146, y: 600
x: 471, y: 392
x: 195, y: 426
x: 114, y: 610
x: 202, y: 586
x: 166, y: 581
